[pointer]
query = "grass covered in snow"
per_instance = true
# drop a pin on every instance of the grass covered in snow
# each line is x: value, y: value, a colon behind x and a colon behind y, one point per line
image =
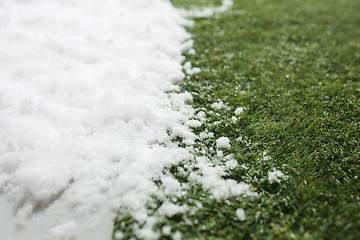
x: 294, y: 67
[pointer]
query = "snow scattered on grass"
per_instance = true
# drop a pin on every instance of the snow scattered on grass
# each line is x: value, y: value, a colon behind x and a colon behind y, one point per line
x: 276, y: 176
x: 209, y: 11
x: 169, y: 209
x: 265, y: 156
x: 240, y: 214
x: 189, y: 70
x: 223, y: 142
x: 218, y: 105
x: 201, y: 115
x: 210, y: 176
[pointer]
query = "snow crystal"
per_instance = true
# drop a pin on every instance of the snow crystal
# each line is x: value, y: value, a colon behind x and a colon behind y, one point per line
x: 223, y: 142
x: 240, y: 214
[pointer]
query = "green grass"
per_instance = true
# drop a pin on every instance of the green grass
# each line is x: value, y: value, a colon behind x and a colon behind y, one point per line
x: 295, y: 66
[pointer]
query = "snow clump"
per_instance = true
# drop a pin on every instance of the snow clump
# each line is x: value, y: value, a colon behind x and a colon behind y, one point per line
x: 239, y: 111
x: 240, y: 214
x: 223, y: 142
x: 276, y: 176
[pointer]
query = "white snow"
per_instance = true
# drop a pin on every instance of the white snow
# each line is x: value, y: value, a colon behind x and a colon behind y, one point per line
x: 83, y: 113
x: 234, y: 119
x: 239, y: 111
x: 240, y: 213
x: 85, y: 123
x: 190, y: 70
x: 209, y: 11
x: 275, y: 176
x: 118, y: 235
x: 169, y: 209
x: 166, y: 230
x: 218, y: 105
x: 193, y: 123
x: 223, y: 142
x: 210, y: 177
x: 177, y: 236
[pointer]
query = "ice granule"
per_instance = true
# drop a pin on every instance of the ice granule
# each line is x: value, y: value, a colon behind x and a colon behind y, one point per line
x: 118, y: 235
x: 177, y: 236
x: 239, y: 111
x: 234, y: 119
x: 223, y: 142
x: 193, y: 123
x: 240, y: 214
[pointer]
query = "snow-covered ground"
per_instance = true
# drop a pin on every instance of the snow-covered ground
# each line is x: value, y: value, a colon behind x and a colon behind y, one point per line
x: 87, y: 120
x: 83, y: 113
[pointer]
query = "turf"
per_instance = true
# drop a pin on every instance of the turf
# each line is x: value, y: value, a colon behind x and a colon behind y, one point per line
x: 295, y: 66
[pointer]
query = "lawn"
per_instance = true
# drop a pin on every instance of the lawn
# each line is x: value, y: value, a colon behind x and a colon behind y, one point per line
x: 295, y: 68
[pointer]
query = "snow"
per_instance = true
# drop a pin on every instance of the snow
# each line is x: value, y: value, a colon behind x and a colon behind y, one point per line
x: 87, y: 120
x: 193, y: 123
x: 84, y: 115
x: 166, y: 230
x: 218, y: 105
x: 240, y: 214
x: 169, y: 209
x: 189, y: 70
x: 223, y: 142
x: 209, y: 11
x: 177, y: 236
x: 276, y: 176
x: 239, y: 111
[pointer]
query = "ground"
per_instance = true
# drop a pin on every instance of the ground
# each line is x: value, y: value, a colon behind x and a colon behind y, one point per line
x: 294, y: 66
